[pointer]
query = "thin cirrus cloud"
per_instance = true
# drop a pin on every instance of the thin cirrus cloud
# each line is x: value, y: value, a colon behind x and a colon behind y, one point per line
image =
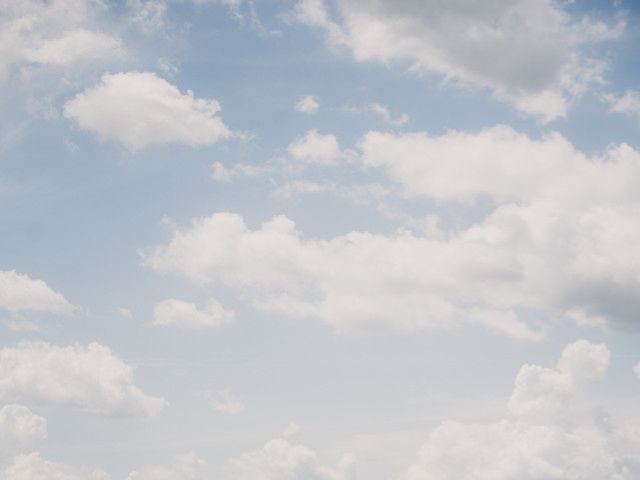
x: 21, y: 293
x: 546, y: 433
x: 89, y: 378
x: 139, y: 109
x: 181, y: 314
x: 527, y: 53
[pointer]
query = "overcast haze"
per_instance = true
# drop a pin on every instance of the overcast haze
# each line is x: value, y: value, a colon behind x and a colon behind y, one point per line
x: 319, y: 240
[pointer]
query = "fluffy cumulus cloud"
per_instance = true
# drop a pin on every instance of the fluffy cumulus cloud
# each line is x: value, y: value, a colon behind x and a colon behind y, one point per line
x: 55, y: 33
x: 20, y: 427
x: 172, y: 312
x: 34, y: 467
x: 279, y: 460
x: 139, y: 109
x: 316, y: 148
x: 527, y: 52
x: 543, y: 437
x: 21, y: 293
x: 628, y: 104
x: 307, y: 104
x: 88, y: 377
x: 558, y: 241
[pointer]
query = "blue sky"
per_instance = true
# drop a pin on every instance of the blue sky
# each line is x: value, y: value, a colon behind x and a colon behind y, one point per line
x: 320, y: 240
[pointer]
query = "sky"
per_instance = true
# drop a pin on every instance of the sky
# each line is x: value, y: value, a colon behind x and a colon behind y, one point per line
x: 319, y: 240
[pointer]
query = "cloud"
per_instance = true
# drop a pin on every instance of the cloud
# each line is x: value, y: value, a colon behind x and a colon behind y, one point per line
x: 225, y: 401
x: 316, y: 148
x: 387, y: 117
x: 177, y: 313
x: 33, y: 466
x: 279, y: 459
x: 542, y: 446
x: 400, y: 282
x: 139, y: 109
x: 307, y: 104
x: 90, y: 378
x: 628, y: 104
x: 19, y: 428
x: 528, y: 53
x: 185, y: 467
x: 57, y: 33
x: 21, y: 293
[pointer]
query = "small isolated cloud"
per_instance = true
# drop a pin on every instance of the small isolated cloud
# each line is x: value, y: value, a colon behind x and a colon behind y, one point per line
x: 21, y: 293
x: 316, y: 148
x: 546, y: 434
x: 90, y: 378
x: 279, y: 459
x: 221, y: 173
x: 386, y: 115
x: 627, y: 104
x: 177, y: 313
x: 139, y: 109
x: 225, y: 401
x: 307, y: 104
x: 20, y: 428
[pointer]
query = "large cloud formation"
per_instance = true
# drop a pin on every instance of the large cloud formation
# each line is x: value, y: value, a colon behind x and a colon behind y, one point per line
x: 545, y: 437
x: 90, y: 378
x: 527, y: 52
x: 558, y: 240
x: 139, y: 109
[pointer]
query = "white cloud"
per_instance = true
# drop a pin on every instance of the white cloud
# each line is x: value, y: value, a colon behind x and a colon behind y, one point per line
x: 360, y: 280
x: 279, y: 460
x: 387, y: 117
x: 628, y: 104
x: 19, y: 292
x: 308, y: 104
x: 220, y: 173
x: 316, y: 148
x: 526, y: 52
x: 34, y: 467
x: 20, y: 427
x: 636, y: 369
x: 139, y: 109
x: 540, y: 447
x: 225, y: 401
x: 91, y: 378
x: 177, y: 313
x: 185, y: 467
x: 61, y: 32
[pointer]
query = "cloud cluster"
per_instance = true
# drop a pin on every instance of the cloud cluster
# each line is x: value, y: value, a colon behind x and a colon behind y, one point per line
x: 177, y: 313
x: 55, y: 33
x: 139, y: 109
x: 20, y: 427
x: 527, y: 52
x: 543, y: 438
x: 21, y: 293
x: 88, y: 377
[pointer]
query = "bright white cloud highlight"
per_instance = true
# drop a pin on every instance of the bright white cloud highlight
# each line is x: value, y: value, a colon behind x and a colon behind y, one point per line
x: 19, y: 292
x: 307, y: 104
x: 225, y: 401
x: 526, y: 52
x: 20, y: 427
x: 177, y: 313
x: 541, y: 446
x: 90, y: 378
x: 316, y: 148
x: 279, y: 460
x: 139, y: 109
